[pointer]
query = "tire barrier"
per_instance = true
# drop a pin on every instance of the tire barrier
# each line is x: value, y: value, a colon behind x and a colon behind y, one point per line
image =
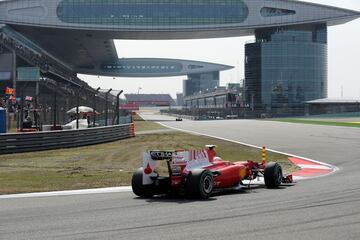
x: 132, y: 130
x: 39, y: 141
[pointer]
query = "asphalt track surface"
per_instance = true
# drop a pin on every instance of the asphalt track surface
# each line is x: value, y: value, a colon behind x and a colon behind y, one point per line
x: 321, y: 208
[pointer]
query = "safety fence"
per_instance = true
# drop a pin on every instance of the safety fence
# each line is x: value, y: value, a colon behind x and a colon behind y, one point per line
x: 46, y: 117
x: 28, y: 142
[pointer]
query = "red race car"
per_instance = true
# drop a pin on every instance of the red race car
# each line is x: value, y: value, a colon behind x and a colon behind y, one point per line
x: 199, y: 173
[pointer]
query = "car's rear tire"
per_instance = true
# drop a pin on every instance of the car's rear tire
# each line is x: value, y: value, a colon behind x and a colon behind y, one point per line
x: 200, y: 184
x: 273, y: 175
x: 139, y: 189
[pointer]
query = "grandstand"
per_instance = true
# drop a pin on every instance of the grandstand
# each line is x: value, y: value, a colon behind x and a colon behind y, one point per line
x: 150, y: 100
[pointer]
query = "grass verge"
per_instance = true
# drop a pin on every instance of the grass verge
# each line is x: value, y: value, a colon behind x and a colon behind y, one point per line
x: 143, y: 125
x: 147, y: 126
x: 105, y: 165
x: 320, y: 122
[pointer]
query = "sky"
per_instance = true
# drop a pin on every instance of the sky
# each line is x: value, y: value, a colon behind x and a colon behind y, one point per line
x: 343, y: 59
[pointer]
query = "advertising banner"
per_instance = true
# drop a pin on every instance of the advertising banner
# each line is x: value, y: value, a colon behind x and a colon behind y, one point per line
x: 129, y: 106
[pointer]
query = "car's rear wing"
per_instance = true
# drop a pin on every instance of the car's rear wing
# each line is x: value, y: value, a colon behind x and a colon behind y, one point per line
x: 193, y: 159
x: 161, y: 155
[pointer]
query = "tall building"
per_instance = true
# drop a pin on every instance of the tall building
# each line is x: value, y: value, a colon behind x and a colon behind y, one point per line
x: 179, y: 99
x: 197, y: 83
x: 285, y: 67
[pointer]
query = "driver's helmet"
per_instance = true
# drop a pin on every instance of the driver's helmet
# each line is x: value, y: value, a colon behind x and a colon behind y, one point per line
x: 210, y: 147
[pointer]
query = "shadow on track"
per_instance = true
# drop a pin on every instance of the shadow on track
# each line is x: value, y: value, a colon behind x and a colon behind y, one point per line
x: 182, y: 199
x: 174, y: 199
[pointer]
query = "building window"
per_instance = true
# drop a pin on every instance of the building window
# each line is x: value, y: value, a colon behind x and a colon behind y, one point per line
x: 274, y: 12
x: 157, y: 13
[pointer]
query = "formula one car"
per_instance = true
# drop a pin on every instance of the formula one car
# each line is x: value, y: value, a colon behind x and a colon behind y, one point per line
x: 199, y: 173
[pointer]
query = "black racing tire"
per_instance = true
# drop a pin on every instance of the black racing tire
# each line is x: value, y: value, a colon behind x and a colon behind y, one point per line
x: 139, y: 189
x: 273, y: 175
x: 199, y: 184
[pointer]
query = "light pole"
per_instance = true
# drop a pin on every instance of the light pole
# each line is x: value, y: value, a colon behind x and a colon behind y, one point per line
x: 22, y: 111
x: 106, y: 106
x: 22, y: 106
x: 36, y: 112
x: 55, y: 110
x: 94, y: 105
x: 77, y: 106
x: 117, y: 107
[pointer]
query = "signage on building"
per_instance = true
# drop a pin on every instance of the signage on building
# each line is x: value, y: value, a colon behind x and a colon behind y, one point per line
x: 28, y: 74
x: 143, y: 67
x: 129, y: 106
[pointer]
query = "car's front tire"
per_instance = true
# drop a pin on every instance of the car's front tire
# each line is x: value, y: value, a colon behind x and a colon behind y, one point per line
x: 273, y: 175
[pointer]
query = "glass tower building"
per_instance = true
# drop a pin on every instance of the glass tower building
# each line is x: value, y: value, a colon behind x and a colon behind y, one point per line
x: 285, y: 67
x: 200, y: 83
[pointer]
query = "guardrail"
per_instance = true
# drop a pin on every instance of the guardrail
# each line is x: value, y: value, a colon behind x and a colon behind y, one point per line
x: 28, y: 142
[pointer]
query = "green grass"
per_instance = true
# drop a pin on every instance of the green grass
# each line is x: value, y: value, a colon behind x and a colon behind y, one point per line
x: 320, y: 122
x: 143, y: 125
x: 146, y: 126
x: 106, y: 165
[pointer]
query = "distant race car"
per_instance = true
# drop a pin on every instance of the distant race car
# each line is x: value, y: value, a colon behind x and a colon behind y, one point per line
x: 199, y: 173
x: 178, y: 119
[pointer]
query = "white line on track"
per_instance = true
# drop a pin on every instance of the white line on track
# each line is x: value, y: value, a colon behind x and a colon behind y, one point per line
x: 319, y: 167
x: 68, y: 193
